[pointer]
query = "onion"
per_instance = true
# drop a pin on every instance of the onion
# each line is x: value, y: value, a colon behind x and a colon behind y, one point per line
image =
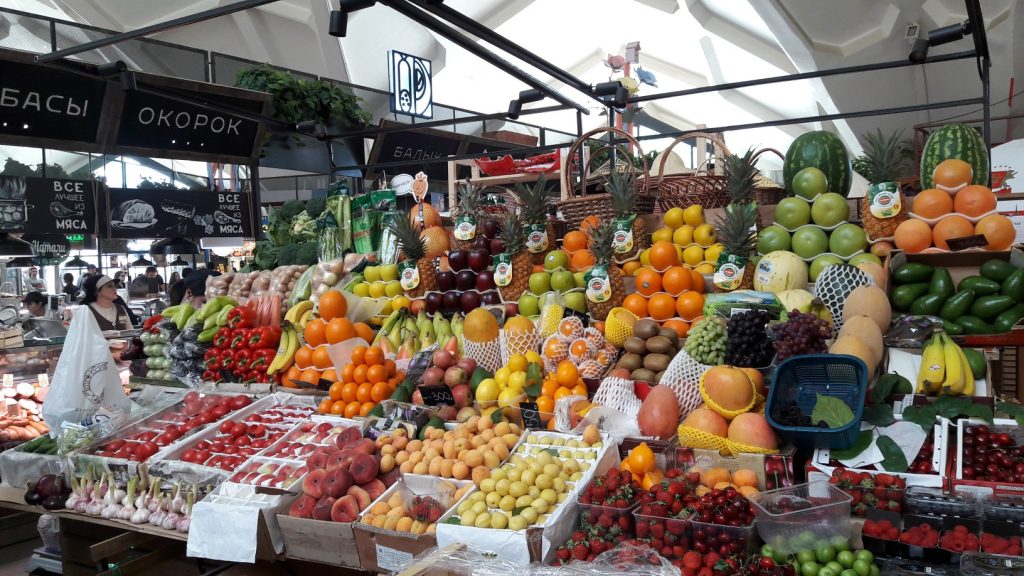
x: 330, y: 278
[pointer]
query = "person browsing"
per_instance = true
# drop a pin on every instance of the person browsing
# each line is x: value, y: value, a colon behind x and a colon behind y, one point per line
x: 101, y: 298
x: 35, y: 303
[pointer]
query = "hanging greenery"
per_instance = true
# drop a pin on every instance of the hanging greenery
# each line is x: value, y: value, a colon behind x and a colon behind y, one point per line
x: 295, y: 100
x: 14, y: 168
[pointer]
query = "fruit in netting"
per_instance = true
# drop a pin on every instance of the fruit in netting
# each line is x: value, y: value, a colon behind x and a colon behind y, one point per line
x: 998, y: 230
x: 876, y: 272
x: 659, y: 413
x: 932, y: 203
x: 951, y: 227
x: 591, y: 369
x: 579, y: 350
x: 727, y: 388
x: 435, y: 242
x: 555, y: 349
x: 431, y: 217
x: 707, y: 420
x: 570, y: 328
x: 480, y: 326
x: 869, y: 301
x: 751, y: 429
x: 913, y: 236
x: 852, y: 346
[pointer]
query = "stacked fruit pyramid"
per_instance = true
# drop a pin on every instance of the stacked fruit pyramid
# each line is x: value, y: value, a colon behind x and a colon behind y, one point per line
x: 692, y: 238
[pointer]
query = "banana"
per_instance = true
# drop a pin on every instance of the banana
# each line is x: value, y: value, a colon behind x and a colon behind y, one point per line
x: 285, y: 351
x: 932, y: 372
x: 305, y: 318
x: 295, y: 312
x: 968, y: 374
x: 953, y: 383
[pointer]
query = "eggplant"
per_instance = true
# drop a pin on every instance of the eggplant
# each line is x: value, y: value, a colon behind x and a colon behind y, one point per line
x: 50, y: 485
x: 32, y: 497
x: 55, y: 502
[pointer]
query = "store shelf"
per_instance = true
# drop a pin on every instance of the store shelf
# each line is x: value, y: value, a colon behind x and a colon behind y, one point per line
x: 509, y: 179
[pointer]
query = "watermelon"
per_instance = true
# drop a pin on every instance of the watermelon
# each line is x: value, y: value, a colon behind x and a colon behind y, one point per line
x: 954, y: 141
x: 824, y: 151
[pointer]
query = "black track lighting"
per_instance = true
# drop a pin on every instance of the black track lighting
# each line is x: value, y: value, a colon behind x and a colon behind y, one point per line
x: 515, y: 107
x: 938, y: 37
x: 111, y: 68
x: 339, y: 18
x: 615, y: 89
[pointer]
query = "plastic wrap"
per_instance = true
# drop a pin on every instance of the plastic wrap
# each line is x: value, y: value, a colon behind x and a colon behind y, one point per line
x: 219, y: 285
x: 48, y: 527
x: 283, y: 280
x: 466, y: 559
x: 241, y: 287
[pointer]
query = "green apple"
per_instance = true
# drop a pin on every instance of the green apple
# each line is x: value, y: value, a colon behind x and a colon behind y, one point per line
x: 865, y: 257
x: 810, y: 568
x: 861, y: 567
x: 793, y: 213
x: 580, y: 278
x: 829, y: 209
x: 393, y: 288
x: 845, y: 559
x: 847, y: 239
x: 556, y: 259
x: 825, y: 554
x: 826, y: 571
x: 848, y: 572
x: 819, y: 264
x: 835, y: 566
x: 874, y: 570
x: 563, y: 281
x: 810, y: 182
x: 864, y: 555
x: 540, y: 282
x: 528, y: 305
x: 773, y: 238
x: 809, y: 242
x: 840, y: 543
x: 805, y: 556
x: 389, y: 272
x: 372, y: 273
x: 576, y: 301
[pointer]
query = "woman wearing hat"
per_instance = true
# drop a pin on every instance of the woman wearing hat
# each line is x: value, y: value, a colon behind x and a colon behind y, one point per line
x: 102, y: 300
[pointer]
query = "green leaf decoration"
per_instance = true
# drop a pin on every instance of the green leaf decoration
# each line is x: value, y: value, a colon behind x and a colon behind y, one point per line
x: 923, y: 416
x: 832, y: 411
x: 979, y: 411
x: 455, y: 520
x: 879, y: 415
x: 894, y: 459
x: 1015, y: 411
x: 950, y: 407
x: 497, y: 416
x: 861, y: 444
x: 886, y: 385
x: 518, y: 510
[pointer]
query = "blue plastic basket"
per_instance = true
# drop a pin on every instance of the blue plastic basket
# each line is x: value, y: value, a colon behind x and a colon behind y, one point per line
x: 801, y: 378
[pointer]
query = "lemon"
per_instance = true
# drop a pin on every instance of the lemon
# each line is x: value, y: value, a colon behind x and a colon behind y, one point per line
x: 509, y: 397
x: 683, y: 235
x: 517, y: 381
x: 361, y: 289
x: 399, y: 302
x: 487, y: 390
x: 393, y: 288
x: 693, y: 255
x: 386, y: 308
x: 705, y: 268
x: 645, y: 257
x: 517, y: 363
x: 533, y: 357
x: 378, y: 289
x: 630, y: 268
x: 501, y: 376
x: 694, y: 215
x: 705, y: 235
x: 674, y: 218
x: 662, y: 234
x: 713, y: 251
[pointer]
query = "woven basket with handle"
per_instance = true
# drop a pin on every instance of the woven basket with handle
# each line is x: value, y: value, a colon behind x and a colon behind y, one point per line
x: 768, y: 195
x: 578, y: 205
x: 702, y: 189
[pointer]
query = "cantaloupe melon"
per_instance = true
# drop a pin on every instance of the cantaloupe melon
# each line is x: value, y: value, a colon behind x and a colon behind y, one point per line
x: 876, y: 272
x: 854, y: 347
x: 869, y: 301
x: 864, y: 329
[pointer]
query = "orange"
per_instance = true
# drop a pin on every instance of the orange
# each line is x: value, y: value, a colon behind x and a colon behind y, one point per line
x: 321, y: 359
x: 950, y: 227
x: 689, y: 305
x: 334, y: 392
x: 338, y: 330
x: 648, y: 282
x: 676, y: 279
x: 562, y: 392
x: 641, y: 459
x: 400, y: 375
x: 348, y: 372
x: 579, y: 390
x: 332, y: 305
x: 636, y: 304
x: 696, y: 282
x: 376, y: 374
x: 663, y: 255
x: 312, y: 376
x: 588, y: 223
x: 359, y: 355
x: 680, y: 326
x: 953, y: 174
x: 538, y: 268
x: 598, y: 325
x: 574, y: 241
x: 553, y: 348
x: 579, y: 348
x: 662, y: 306
x: 360, y: 374
x: 545, y: 404
x: 974, y: 200
x: 932, y: 203
x: 366, y: 407
x: 391, y: 367
x: 380, y: 392
x: 338, y: 408
x: 304, y: 357
x: 913, y: 236
x: 566, y: 373
x: 363, y: 331
x: 363, y: 392
x: 315, y: 332
x: 293, y: 373
x: 330, y: 375
x: 998, y: 230
x: 352, y: 409
x: 549, y: 387
x: 325, y: 406
x: 374, y: 356
x: 581, y: 261
x: 348, y: 391
x: 652, y: 478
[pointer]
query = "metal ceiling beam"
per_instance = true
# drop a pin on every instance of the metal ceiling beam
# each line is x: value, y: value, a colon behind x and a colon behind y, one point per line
x: 154, y: 28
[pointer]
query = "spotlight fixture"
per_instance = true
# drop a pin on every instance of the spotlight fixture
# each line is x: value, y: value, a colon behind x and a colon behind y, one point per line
x: 615, y: 89
x: 111, y: 68
x: 142, y: 261
x: 21, y: 262
x: 76, y: 262
x: 339, y: 18
x: 515, y: 107
x: 179, y: 261
x: 176, y: 245
x: 938, y: 37
x: 314, y: 128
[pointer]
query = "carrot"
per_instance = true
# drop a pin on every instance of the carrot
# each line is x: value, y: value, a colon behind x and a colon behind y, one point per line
x: 30, y: 432
x: 40, y: 427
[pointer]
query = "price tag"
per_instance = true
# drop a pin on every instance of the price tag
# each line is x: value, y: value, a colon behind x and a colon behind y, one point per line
x: 439, y: 395
x: 531, y: 415
x: 44, y: 380
x: 8, y: 380
x: 974, y: 241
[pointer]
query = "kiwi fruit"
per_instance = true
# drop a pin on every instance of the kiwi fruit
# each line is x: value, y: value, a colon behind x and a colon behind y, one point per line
x: 635, y: 345
x: 659, y: 345
x: 658, y: 376
x: 630, y: 362
x: 643, y: 374
x: 671, y: 334
x: 645, y: 329
x: 656, y: 362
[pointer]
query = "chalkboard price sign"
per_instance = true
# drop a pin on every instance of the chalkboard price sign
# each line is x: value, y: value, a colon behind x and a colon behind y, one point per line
x: 157, y: 213
x: 439, y: 395
x: 531, y: 415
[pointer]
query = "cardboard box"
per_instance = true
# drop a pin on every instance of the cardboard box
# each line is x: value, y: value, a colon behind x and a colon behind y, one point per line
x: 318, y: 541
x: 960, y: 264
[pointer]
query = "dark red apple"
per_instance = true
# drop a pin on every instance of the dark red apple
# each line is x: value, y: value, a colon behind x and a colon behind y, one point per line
x: 433, y: 302
x: 454, y: 376
x: 491, y: 298
x: 485, y: 280
x: 497, y: 246
x: 442, y: 359
x: 488, y: 228
x: 461, y: 395
x: 470, y: 301
x: 457, y: 260
x: 450, y: 300
x: 511, y: 309
x: 481, y: 243
x: 467, y: 364
x: 465, y: 280
x: 479, y: 259
x: 432, y: 376
x: 446, y: 281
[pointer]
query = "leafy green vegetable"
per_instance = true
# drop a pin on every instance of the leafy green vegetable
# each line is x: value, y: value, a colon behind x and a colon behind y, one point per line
x: 303, y: 228
x: 879, y: 415
x: 894, y: 458
x: 287, y: 254
x: 307, y: 254
x: 923, y: 416
x: 832, y: 411
x: 265, y: 255
x: 315, y: 207
x: 1015, y: 411
x: 861, y: 444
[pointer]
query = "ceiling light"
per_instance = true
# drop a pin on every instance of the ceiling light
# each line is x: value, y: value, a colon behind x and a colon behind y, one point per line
x: 176, y: 245
x: 615, y: 89
x: 178, y: 262
x: 11, y: 247
x: 142, y: 261
x: 938, y: 37
x: 21, y: 262
x: 76, y: 262
x: 339, y: 18
x: 515, y: 107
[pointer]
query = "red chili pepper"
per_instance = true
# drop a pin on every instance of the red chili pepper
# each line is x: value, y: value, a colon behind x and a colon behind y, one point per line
x: 242, y: 317
x: 211, y: 360
x: 222, y: 338
x: 239, y: 338
x: 262, y: 358
x: 263, y: 338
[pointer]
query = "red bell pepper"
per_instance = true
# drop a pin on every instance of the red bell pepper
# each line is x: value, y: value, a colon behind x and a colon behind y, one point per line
x: 211, y: 376
x: 262, y: 358
x: 264, y: 337
x: 151, y: 322
x: 222, y: 338
x: 252, y: 376
x: 242, y: 317
x: 211, y: 360
x: 227, y: 359
x: 239, y: 338
x: 243, y: 357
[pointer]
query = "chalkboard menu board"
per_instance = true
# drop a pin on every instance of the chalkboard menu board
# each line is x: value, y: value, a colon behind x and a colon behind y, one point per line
x: 149, y: 213
x: 47, y: 205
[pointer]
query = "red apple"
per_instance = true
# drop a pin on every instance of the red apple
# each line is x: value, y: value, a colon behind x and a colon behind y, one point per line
x: 442, y: 359
x: 457, y: 260
x: 480, y: 259
x: 465, y: 280
x: 485, y: 280
x: 450, y: 300
x: 454, y: 376
x: 433, y: 376
x: 461, y: 395
x: 433, y: 302
x: 469, y: 301
x: 497, y: 246
x: 491, y: 298
x: 467, y: 364
x: 488, y: 228
x: 446, y: 281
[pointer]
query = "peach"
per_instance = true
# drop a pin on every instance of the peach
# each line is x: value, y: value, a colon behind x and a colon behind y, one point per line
x: 302, y: 507
x: 375, y: 488
x: 361, y: 497
x: 322, y: 510
x: 337, y: 482
x: 313, y: 483
x: 345, y: 509
x: 363, y: 468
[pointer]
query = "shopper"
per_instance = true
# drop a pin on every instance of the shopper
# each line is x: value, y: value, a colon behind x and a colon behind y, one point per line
x: 195, y: 287
x: 176, y: 292
x: 155, y: 282
x: 102, y: 299
x: 119, y: 280
x: 35, y: 303
x: 69, y: 286
x: 89, y: 271
x: 174, y: 278
x: 33, y: 283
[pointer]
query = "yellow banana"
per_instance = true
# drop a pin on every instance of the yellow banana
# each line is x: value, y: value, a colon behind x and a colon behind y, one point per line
x: 968, y: 375
x: 953, y: 383
x: 305, y: 318
x: 285, y: 352
x: 298, y: 310
x: 932, y: 372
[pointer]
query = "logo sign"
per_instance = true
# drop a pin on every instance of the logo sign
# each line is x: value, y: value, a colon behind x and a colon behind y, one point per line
x: 411, y: 81
x: 49, y: 249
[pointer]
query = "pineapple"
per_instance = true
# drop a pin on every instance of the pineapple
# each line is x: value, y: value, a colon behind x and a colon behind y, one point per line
x: 621, y: 188
x: 535, y: 205
x: 514, y: 236
x: 408, y: 236
x: 737, y: 232
x: 601, y: 245
x: 469, y: 205
x: 884, y: 160
x: 741, y: 178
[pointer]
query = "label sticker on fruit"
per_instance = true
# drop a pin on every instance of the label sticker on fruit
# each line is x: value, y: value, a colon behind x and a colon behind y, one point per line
x: 764, y: 272
x: 536, y: 238
x: 599, y: 286
x: 622, y: 239
x: 465, y: 227
x: 503, y: 269
x: 884, y: 199
x: 729, y: 271
x: 408, y: 275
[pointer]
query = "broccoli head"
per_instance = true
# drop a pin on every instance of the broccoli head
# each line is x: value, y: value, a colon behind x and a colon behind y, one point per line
x: 291, y: 209
x: 315, y: 207
x: 307, y: 254
x: 286, y: 254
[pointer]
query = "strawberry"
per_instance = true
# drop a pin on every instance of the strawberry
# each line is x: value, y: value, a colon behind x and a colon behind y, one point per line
x: 881, y: 492
x: 624, y: 522
x: 578, y: 536
x: 884, y: 480
x: 563, y: 554
x: 865, y: 480
x: 580, y: 551
x: 895, y: 506
x: 597, y: 545
x: 606, y: 521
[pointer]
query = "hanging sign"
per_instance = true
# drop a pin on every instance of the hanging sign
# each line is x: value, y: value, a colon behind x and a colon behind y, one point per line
x: 47, y: 205
x: 49, y: 249
x: 411, y: 81
x: 155, y: 213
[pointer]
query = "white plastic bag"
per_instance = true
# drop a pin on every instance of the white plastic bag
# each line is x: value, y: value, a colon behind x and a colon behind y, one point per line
x: 86, y: 380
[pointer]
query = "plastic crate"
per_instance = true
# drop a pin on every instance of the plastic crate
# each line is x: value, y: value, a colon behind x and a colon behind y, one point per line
x: 591, y: 514
x: 800, y: 379
x: 740, y: 540
x: 1003, y: 508
x: 935, y: 502
x: 791, y: 519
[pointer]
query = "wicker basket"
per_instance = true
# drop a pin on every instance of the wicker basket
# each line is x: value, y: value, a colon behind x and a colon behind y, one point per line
x: 768, y: 195
x: 579, y: 205
x: 707, y: 190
